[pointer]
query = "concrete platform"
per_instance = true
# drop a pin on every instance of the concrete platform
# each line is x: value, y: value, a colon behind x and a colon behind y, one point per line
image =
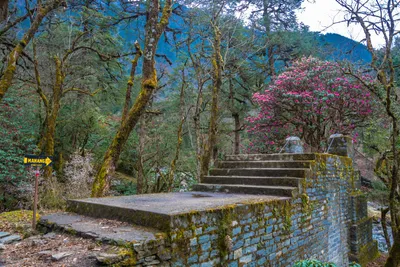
x: 156, y: 210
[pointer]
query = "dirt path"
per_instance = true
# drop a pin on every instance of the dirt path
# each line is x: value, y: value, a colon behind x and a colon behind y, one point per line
x: 40, y: 251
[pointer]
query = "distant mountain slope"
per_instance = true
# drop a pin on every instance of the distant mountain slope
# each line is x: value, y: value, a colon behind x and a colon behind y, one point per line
x: 337, y: 47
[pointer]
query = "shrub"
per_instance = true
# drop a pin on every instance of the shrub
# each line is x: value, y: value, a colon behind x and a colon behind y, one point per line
x: 317, y: 263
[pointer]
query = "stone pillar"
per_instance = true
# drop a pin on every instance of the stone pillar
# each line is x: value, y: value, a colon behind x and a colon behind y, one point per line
x: 342, y: 145
x: 294, y: 145
x: 362, y: 247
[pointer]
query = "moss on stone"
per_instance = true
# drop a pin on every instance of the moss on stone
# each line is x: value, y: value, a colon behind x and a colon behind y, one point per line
x: 128, y: 254
x: 17, y: 221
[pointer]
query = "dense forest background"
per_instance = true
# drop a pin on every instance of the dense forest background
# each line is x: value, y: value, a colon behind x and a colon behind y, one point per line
x: 133, y: 97
x: 91, y: 44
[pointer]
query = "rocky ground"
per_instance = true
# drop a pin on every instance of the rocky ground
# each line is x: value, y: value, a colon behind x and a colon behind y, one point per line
x: 20, y: 246
x: 51, y: 250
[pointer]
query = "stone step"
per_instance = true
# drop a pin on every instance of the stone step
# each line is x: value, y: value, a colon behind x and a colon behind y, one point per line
x: 10, y: 239
x: 263, y: 164
x: 263, y: 172
x: 102, y: 230
x: 282, y: 156
x: 246, y: 189
x: 253, y: 180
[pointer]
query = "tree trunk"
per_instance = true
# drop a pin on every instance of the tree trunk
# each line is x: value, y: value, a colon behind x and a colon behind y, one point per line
x: 271, y: 61
x: 131, y: 80
x: 6, y: 80
x: 394, y: 254
x: 236, y: 118
x: 154, y: 29
x: 172, y: 168
x: 237, y: 133
x: 140, y: 169
x: 3, y: 10
x: 384, y: 226
x: 217, y: 82
x: 199, y: 143
x: 52, y: 118
x: 270, y: 47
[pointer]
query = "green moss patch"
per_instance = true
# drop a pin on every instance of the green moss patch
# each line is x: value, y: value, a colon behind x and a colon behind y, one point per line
x: 19, y: 221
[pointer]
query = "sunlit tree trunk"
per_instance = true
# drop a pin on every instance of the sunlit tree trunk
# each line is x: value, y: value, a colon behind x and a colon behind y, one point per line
x: 154, y: 29
x: 6, y: 79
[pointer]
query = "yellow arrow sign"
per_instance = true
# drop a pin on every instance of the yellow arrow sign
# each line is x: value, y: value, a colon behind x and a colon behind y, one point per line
x: 48, y: 161
x: 37, y: 160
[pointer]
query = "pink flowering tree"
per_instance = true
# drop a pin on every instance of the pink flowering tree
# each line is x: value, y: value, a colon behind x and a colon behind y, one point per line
x: 312, y: 99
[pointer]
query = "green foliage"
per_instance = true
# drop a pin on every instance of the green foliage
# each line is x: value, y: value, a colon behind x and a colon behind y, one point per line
x: 18, y: 133
x: 125, y: 188
x: 379, y: 194
x: 380, y: 186
x: 313, y: 263
x: 317, y: 263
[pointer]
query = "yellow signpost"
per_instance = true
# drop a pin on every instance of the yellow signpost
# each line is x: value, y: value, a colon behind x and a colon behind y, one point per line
x: 35, y: 160
x: 38, y: 162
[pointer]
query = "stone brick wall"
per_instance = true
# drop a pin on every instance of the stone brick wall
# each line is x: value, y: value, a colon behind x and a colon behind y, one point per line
x: 313, y: 224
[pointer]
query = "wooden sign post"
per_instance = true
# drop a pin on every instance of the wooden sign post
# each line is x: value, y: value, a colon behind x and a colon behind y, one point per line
x: 38, y: 162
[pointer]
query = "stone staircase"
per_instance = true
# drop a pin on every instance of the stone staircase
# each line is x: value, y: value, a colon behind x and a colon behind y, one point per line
x: 260, y: 174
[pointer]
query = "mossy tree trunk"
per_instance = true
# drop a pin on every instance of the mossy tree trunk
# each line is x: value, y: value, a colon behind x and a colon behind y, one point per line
x: 6, y: 79
x: 131, y: 80
x: 394, y: 256
x: 217, y: 82
x: 52, y: 114
x: 52, y: 104
x: 155, y: 27
x: 52, y: 107
x: 140, y: 188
